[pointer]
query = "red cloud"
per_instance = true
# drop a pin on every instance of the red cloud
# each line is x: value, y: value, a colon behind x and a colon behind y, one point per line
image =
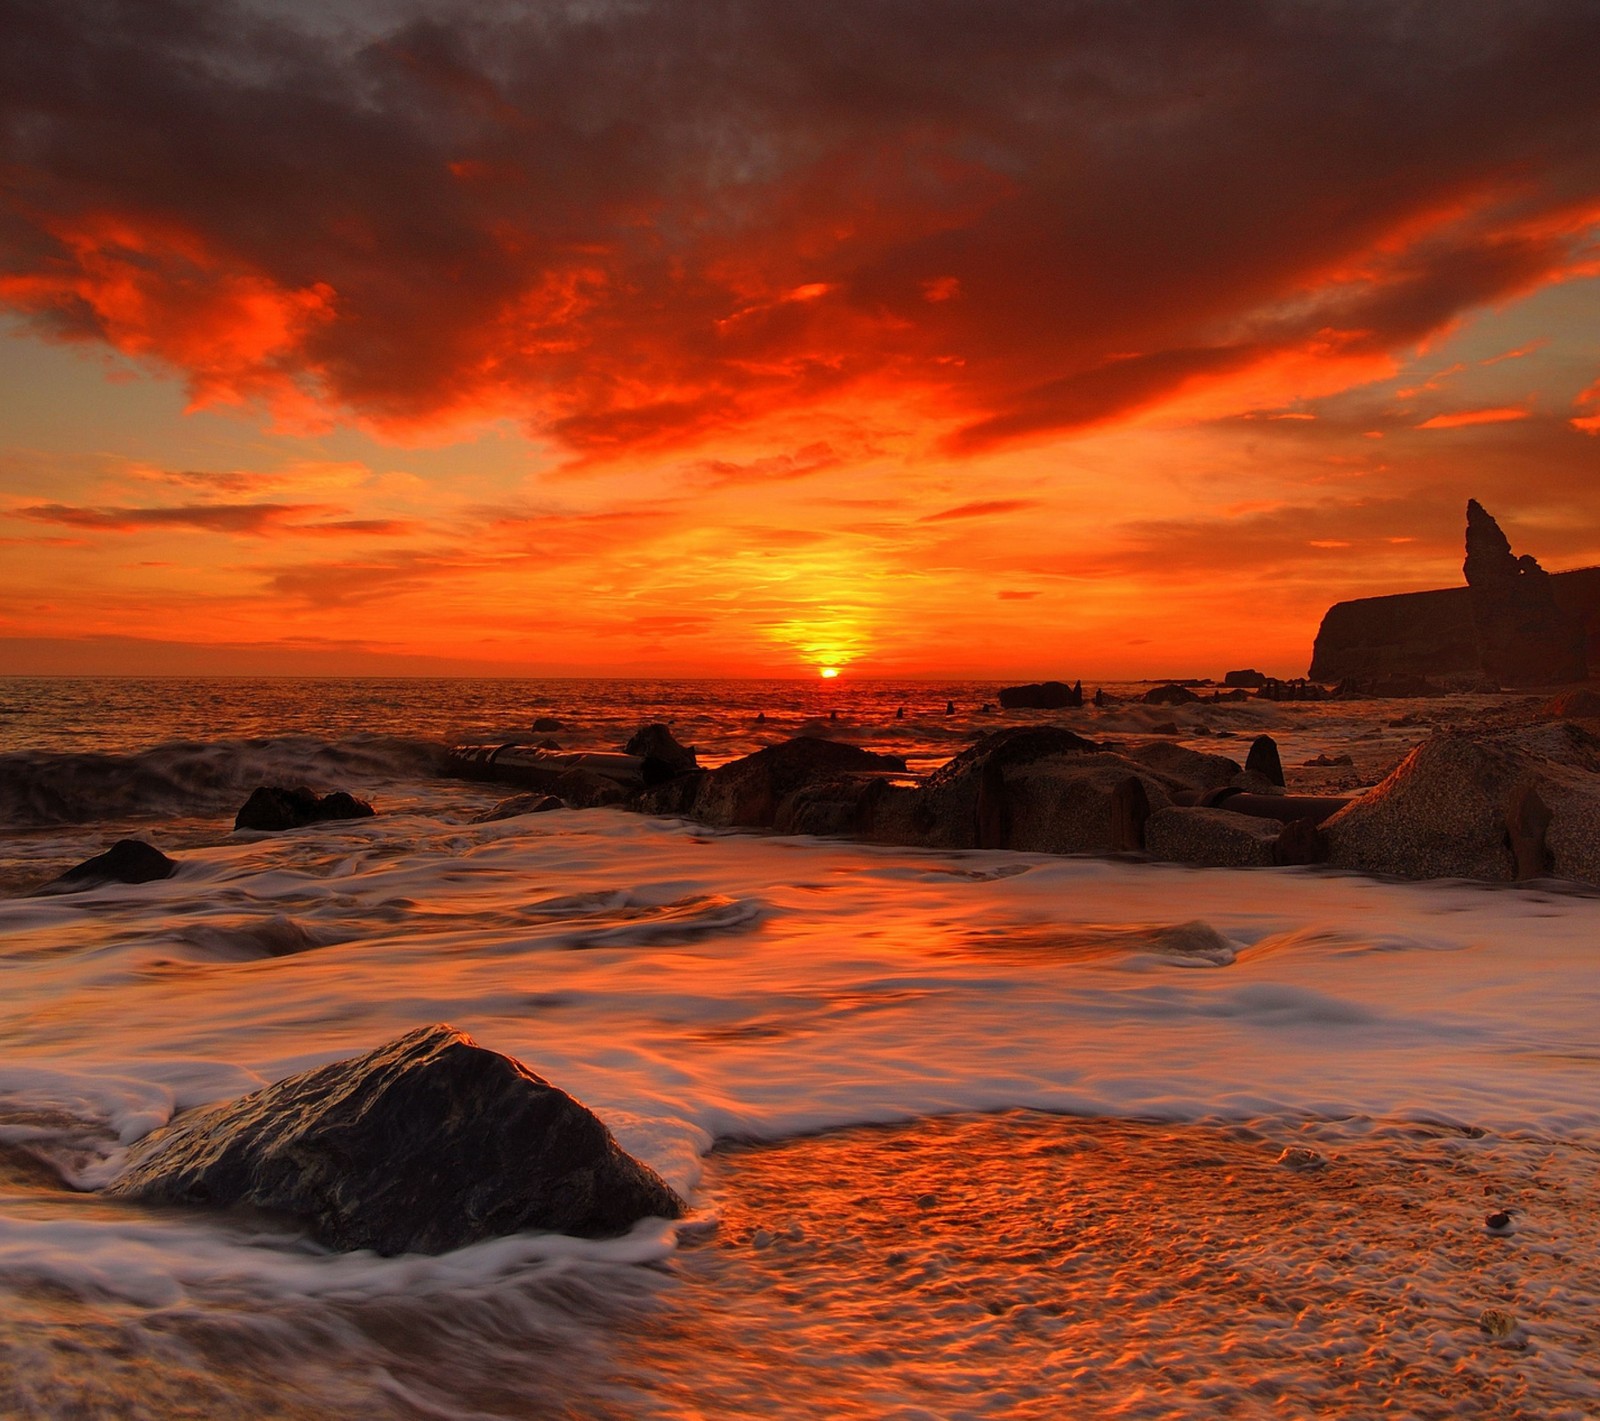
x: 1021, y: 217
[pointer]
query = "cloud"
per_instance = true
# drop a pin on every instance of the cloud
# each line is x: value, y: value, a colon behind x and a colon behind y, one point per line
x: 984, y: 508
x: 640, y: 226
x: 251, y: 518
x: 1460, y: 419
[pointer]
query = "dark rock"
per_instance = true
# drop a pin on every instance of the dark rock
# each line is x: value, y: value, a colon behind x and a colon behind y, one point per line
x: 519, y: 804
x: 1249, y: 679
x: 1211, y: 838
x: 1324, y: 762
x: 1410, y: 633
x: 1171, y: 694
x: 1582, y: 704
x: 423, y: 1145
x: 750, y: 792
x: 274, y: 807
x: 126, y: 861
x: 1195, y: 768
x: 546, y: 723
x: 1524, y: 637
x: 1393, y: 687
x: 1044, y: 695
x: 1263, y: 760
x: 841, y: 806
x: 1300, y: 842
x: 1130, y: 813
x: 664, y: 758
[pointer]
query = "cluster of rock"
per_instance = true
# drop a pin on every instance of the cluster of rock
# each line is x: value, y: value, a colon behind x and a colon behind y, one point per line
x: 423, y: 1145
x: 274, y: 808
x: 1512, y: 624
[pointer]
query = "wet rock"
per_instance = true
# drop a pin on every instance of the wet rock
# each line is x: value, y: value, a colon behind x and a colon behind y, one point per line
x: 662, y: 756
x: 1300, y: 842
x: 421, y: 1146
x: 841, y: 806
x: 1326, y: 762
x: 1212, y: 838
x: 1194, y: 767
x: 750, y: 792
x: 274, y: 807
x: 519, y: 804
x: 1042, y: 695
x: 126, y: 861
x: 1170, y: 695
x: 547, y: 723
x: 1392, y: 687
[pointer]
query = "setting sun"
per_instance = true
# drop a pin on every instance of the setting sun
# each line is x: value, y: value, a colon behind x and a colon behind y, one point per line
x: 829, y: 672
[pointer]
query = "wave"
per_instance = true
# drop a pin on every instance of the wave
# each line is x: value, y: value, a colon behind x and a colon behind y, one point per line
x: 196, y: 778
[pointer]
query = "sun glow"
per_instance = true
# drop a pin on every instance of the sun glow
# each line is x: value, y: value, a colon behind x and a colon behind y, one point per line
x: 829, y: 672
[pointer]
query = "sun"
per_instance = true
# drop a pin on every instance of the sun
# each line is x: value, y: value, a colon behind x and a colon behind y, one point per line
x: 829, y: 672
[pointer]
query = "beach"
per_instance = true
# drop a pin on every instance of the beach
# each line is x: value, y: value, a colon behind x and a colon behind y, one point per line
x: 964, y: 1132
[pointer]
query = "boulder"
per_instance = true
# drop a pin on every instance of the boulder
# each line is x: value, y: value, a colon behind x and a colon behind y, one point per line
x: 1042, y: 695
x: 126, y: 861
x: 663, y: 757
x: 1264, y: 760
x: 750, y: 792
x: 423, y: 1145
x: 273, y: 808
x: 1170, y: 695
x: 1391, y: 687
x: 1213, y: 838
x: 1460, y: 806
x: 1194, y: 768
x: 519, y: 804
x: 1248, y: 679
x: 545, y: 724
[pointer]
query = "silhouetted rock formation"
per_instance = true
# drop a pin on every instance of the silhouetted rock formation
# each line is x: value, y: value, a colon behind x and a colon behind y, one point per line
x: 273, y: 808
x: 662, y: 757
x: 1265, y: 761
x: 754, y: 792
x: 1514, y: 623
x: 1170, y: 695
x: 1524, y: 638
x: 126, y: 861
x: 1248, y: 679
x: 1042, y: 695
x: 420, y: 1146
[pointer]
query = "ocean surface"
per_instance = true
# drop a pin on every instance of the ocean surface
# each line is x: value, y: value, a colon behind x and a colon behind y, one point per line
x: 965, y: 1134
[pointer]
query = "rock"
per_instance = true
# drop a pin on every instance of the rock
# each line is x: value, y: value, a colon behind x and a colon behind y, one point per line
x: 664, y: 758
x: 1170, y: 695
x: 750, y: 792
x: 1300, y: 842
x: 273, y: 807
x: 421, y: 1146
x: 1394, y: 686
x: 1263, y: 760
x: 1409, y: 633
x: 1213, y: 838
x: 547, y: 723
x: 1130, y: 812
x: 1582, y: 704
x: 1034, y: 789
x: 1326, y: 762
x: 1524, y: 637
x: 517, y: 805
x: 1045, y: 695
x: 126, y: 861
x: 840, y: 806
x: 1477, y: 806
x: 1195, y: 768
x: 1248, y: 679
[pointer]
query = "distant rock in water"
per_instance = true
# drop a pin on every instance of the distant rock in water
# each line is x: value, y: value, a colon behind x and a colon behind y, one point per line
x: 519, y: 804
x: 1248, y: 679
x: 424, y: 1145
x: 126, y: 861
x: 1171, y: 694
x: 1042, y: 695
x: 273, y: 808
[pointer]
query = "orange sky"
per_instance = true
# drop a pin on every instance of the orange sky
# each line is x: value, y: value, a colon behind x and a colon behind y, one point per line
x: 951, y: 338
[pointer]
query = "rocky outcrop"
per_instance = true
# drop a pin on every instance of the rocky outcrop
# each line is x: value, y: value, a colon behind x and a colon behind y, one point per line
x: 1043, y: 695
x: 1513, y: 623
x: 421, y: 1146
x: 1170, y: 695
x: 1248, y: 679
x: 1213, y: 838
x: 1524, y: 637
x: 126, y: 861
x: 274, y: 808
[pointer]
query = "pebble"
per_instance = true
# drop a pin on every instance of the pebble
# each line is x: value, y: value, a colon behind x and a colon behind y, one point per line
x: 1500, y: 1223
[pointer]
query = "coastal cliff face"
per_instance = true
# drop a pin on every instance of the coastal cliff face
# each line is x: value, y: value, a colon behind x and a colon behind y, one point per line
x: 1513, y: 622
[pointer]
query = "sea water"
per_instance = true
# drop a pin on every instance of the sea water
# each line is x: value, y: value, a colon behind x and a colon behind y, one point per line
x: 965, y: 1134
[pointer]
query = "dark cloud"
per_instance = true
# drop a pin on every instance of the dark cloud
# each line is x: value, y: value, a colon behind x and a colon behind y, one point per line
x: 254, y: 518
x: 638, y: 224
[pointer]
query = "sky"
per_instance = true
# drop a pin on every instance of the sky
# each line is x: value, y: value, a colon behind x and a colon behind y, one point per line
x: 897, y: 337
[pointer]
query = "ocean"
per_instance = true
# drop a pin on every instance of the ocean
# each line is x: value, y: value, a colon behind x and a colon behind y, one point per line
x: 965, y: 1134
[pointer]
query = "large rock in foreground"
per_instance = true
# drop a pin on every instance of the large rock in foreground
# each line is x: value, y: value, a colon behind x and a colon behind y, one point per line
x: 758, y: 791
x: 126, y: 861
x: 420, y: 1146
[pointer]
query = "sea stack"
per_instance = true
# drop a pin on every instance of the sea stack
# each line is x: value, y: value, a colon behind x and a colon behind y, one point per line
x: 1524, y: 638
